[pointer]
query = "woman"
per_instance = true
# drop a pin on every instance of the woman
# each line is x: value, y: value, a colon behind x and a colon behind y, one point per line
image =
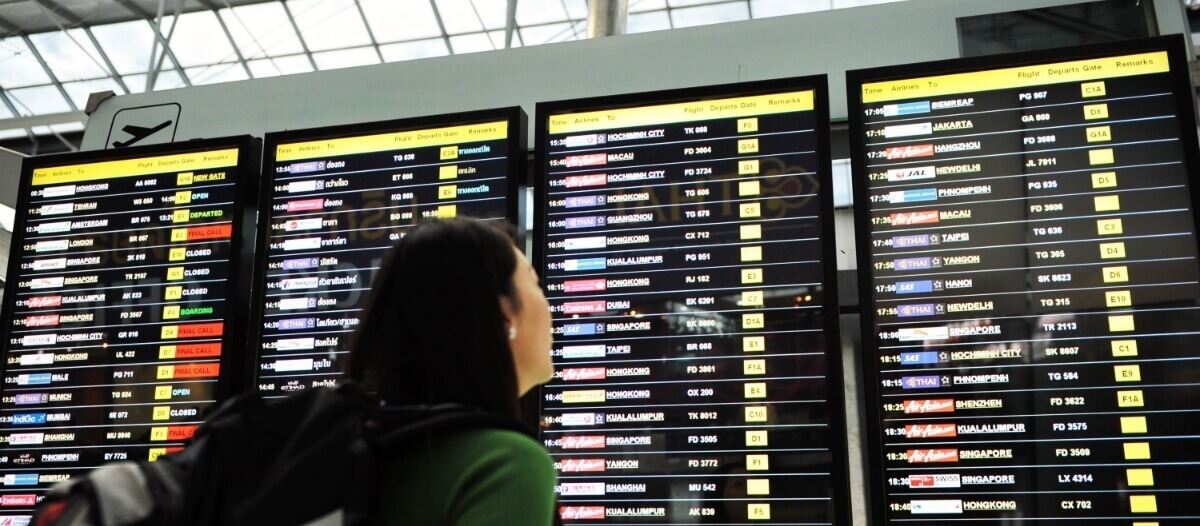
x: 456, y: 316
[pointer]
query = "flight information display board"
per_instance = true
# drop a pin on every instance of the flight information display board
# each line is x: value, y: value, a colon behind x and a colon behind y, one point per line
x: 123, y: 310
x: 336, y: 199
x: 1027, y: 257
x: 685, y: 243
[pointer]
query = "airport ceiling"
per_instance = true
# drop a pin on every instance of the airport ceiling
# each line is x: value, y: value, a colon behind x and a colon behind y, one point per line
x: 54, y: 53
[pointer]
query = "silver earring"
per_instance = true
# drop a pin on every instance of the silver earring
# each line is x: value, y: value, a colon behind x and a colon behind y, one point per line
x: 512, y: 332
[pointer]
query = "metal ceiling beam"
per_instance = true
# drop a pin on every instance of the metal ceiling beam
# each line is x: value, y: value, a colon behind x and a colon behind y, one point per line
x: 232, y: 43
x: 46, y: 119
x: 370, y: 33
x: 300, y: 36
x: 61, y: 11
x: 13, y: 108
x: 437, y: 15
x: 510, y: 23
x: 135, y: 9
x: 112, y: 70
x: 49, y: 71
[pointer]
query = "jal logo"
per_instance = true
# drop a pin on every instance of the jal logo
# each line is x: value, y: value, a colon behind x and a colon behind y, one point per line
x: 907, y: 152
x: 581, y: 512
x: 583, y: 465
x: 937, y: 405
x: 930, y: 430
x: 583, y: 442
x: 925, y: 456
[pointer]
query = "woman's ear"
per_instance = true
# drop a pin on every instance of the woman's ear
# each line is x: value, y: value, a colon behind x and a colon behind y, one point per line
x: 510, y: 311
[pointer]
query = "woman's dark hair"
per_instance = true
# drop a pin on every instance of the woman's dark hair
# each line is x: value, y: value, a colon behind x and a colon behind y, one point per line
x: 433, y: 331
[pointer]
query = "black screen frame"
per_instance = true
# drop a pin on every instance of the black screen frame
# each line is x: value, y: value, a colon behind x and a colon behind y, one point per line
x: 1186, y: 120
x: 518, y: 136
x: 835, y: 380
x: 241, y: 250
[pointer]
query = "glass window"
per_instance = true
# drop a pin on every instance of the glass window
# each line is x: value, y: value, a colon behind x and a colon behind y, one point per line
x: 533, y: 12
x: 545, y: 34
x: 394, y: 21
x: 471, y: 43
x: 641, y: 6
x: 769, y: 8
x: 79, y: 91
x: 216, y: 74
x: 127, y: 45
x: 434, y: 47
x: 261, y: 30
x: 167, y: 79
x: 70, y: 55
x: 18, y: 66
x: 458, y: 16
x: 646, y: 22
x: 346, y: 58
x: 329, y: 24
x: 199, y: 40
x: 275, y: 66
x: 38, y: 100
x: 709, y: 14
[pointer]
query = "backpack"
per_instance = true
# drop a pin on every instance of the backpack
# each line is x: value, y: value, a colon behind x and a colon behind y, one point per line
x: 310, y: 459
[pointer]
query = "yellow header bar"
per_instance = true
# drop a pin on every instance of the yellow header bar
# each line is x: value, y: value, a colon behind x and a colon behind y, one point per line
x: 382, y: 142
x: 1020, y: 77
x: 181, y: 162
x: 682, y: 112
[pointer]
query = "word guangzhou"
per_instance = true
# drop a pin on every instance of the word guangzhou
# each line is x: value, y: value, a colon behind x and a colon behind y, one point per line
x: 1028, y: 258
x: 119, y: 314
x: 690, y: 288
x: 338, y: 199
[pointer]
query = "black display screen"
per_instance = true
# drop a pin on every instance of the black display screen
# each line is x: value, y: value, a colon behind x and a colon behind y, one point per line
x: 1027, y: 257
x: 124, y: 308
x: 336, y: 199
x: 685, y: 244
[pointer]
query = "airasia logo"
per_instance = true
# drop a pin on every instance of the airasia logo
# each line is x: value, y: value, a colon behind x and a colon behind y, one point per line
x: 581, y: 512
x: 905, y: 152
x: 44, y: 301
x: 44, y: 320
x: 937, y: 405
x: 583, y: 442
x: 924, y: 456
x: 583, y: 373
x: 582, y: 465
x: 930, y: 430
x: 915, y: 218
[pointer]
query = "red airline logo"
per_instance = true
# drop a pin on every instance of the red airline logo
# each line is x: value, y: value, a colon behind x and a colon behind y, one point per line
x: 18, y: 500
x: 924, y: 456
x: 905, y: 152
x: 930, y: 430
x: 43, y: 320
x: 582, y: 465
x: 915, y: 218
x: 45, y: 301
x: 581, y: 512
x: 936, y: 405
x: 583, y: 442
x: 583, y: 373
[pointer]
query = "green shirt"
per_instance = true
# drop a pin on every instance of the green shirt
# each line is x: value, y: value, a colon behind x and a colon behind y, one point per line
x: 483, y: 476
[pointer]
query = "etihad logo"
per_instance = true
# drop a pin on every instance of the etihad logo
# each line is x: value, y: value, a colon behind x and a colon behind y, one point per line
x: 936, y: 405
x: 925, y: 456
x: 915, y: 218
x: 906, y: 152
x: 583, y: 442
x: 582, y: 465
x: 581, y: 512
x: 930, y: 430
